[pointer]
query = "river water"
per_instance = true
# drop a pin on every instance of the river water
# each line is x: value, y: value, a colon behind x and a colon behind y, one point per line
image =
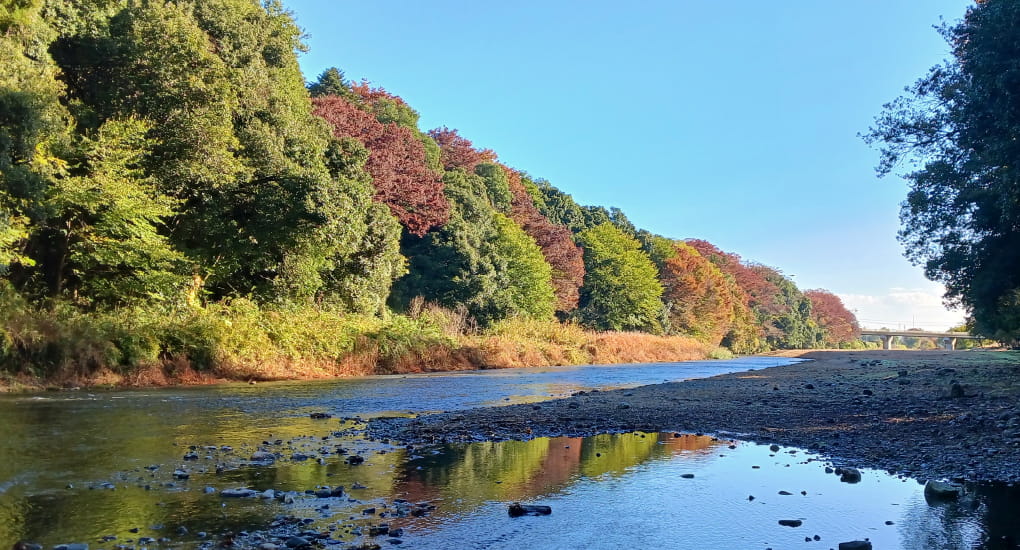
x: 87, y: 466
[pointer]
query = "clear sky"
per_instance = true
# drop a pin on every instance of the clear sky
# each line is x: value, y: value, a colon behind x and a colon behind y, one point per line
x: 735, y: 122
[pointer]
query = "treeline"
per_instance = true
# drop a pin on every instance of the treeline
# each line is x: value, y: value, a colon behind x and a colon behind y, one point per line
x: 167, y: 161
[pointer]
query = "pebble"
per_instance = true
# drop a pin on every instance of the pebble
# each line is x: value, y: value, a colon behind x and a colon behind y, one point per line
x: 791, y: 522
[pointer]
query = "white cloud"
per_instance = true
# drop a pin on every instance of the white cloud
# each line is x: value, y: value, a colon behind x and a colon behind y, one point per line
x: 903, y: 308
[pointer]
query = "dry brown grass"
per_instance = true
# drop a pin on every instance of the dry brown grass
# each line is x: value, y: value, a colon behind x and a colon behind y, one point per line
x: 511, y: 343
x: 638, y: 347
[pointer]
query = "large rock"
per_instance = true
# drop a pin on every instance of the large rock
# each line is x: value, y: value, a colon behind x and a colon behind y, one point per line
x: 517, y: 510
x: 240, y: 492
x: 849, y: 475
x: 940, y: 490
x: 262, y: 456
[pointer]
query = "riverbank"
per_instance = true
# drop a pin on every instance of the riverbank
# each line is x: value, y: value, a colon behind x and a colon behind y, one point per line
x: 926, y: 414
x: 240, y: 342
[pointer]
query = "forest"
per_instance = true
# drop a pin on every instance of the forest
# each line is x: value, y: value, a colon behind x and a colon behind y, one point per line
x: 177, y: 195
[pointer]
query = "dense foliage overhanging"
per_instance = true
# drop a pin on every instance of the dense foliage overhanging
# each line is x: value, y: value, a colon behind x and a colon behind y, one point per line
x: 169, y: 156
x: 957, y: 128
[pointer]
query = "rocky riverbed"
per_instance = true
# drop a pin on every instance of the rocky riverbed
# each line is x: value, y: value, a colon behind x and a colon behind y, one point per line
x: 926, y: 414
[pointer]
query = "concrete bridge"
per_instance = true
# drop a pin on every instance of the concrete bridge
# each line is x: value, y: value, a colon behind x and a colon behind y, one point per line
x: 948, y: 338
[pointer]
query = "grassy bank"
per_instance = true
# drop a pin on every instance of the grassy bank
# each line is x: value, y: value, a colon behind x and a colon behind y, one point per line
x: 240, y: 341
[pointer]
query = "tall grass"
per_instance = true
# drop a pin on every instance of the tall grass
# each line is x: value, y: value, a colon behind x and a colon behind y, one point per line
x: 241, y: 340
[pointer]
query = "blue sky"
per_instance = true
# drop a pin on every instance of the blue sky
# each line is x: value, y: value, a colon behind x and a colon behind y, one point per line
x: 734, y: 122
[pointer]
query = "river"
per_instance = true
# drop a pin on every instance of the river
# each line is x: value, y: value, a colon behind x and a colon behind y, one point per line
x: 146, y: 468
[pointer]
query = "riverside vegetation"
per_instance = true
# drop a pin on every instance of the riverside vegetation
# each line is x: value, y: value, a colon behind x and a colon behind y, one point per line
x: 178, y: 203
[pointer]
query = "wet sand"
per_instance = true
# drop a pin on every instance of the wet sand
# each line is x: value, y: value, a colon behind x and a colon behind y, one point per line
x: 927, y: 414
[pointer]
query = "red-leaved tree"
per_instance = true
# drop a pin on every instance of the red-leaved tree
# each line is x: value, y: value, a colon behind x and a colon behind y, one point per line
x: 760, y: 291
x: 396, y: 161
x: 828, y: 311
x: 458, y: 151
x: 704, y: 302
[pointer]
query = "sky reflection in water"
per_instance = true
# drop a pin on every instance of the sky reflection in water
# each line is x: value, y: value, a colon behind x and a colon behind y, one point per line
x: 608, y: 491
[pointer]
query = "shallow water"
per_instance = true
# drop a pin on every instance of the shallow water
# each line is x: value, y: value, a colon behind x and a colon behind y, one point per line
x: 76, y: 467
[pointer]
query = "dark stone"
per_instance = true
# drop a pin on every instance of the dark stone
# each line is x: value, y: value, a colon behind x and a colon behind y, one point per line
x: 774, y: 448
x: 785, y: 493
x: 809, y: 386
x: 791, y: 522
x: 855, y: 545
x: 687, y: 476
x: 320, y: 416
x: 378, y: 530
x: 262, y: 456
x: 181, y: 474
x: 517, y: 510
x: 355, y: 459
x: 297, y: 542
x: 955, y: 390
x: 849, y: 475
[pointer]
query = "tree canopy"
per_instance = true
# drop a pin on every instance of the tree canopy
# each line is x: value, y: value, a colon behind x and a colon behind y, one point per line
x: 621, y: 287
x: 170, y: 158
x: 956, y: 130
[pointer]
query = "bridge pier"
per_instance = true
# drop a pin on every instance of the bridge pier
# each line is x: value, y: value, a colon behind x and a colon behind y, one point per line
x: 949, y: 344
x: 887, y: 340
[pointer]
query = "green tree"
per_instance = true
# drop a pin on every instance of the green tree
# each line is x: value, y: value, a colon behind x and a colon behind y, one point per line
x: 331, y: 82
x: 957, y: 128
x: 110, y: 249
x: 479, y: 260
x: 528, y: 274
x: 621, y: 289
x: 34, y: 132
x: 233, y: 139
x: 786, y: 313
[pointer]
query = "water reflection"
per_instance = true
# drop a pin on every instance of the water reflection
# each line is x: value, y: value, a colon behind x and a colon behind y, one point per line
x: 60, y: 449
x: 466, y: 476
